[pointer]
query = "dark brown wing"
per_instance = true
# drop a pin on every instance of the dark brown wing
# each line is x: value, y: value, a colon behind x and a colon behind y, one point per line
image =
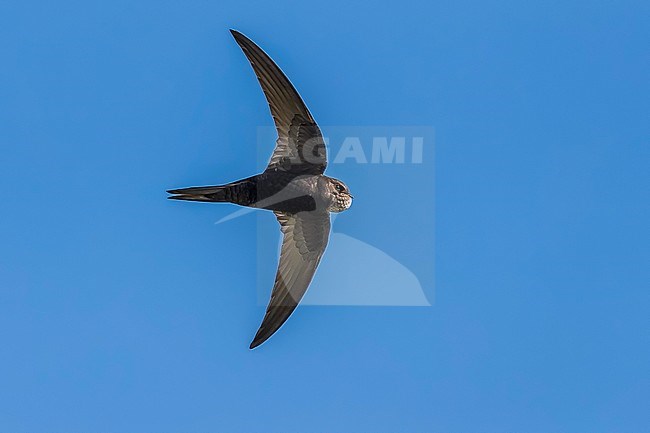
x: 305, y: 238
x: 300, y: 147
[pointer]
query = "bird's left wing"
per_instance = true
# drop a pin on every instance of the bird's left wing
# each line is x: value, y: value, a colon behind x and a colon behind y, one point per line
x: 300, y: 147
x: 305, y: 238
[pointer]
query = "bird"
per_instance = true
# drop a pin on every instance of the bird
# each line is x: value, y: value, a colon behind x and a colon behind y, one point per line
x: 293, y: 186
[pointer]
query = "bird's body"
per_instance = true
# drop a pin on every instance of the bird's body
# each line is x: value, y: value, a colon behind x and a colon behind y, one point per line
x: 293, y: 186
x: 274, y: 190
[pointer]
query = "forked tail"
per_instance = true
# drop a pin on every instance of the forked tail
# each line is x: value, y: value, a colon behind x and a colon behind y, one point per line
x: 201, y: 193
x: 242, y: 192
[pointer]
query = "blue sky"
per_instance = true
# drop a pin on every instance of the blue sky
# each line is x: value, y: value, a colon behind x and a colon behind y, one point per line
x: 121, y: 311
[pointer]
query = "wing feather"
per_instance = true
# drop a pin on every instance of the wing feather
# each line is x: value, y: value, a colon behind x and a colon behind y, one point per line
x: 300, y: 146
x: 305, y: 238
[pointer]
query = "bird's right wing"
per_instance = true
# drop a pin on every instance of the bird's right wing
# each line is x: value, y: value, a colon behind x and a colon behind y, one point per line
x: 305, y: 238
x: 300, y: 147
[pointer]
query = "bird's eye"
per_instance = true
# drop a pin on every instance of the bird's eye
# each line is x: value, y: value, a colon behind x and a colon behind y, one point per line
x: 339, y: 188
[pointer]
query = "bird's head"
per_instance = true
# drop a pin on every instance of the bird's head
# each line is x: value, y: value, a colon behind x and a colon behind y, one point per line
x: 341, y: 197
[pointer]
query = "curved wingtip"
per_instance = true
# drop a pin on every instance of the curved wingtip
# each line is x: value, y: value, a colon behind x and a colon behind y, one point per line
x: 273, y: 320
x: 266, y: 330
x: 237, y: 34
x: 244, y: 41
x: 263, y: 334
x: 259, y: 339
